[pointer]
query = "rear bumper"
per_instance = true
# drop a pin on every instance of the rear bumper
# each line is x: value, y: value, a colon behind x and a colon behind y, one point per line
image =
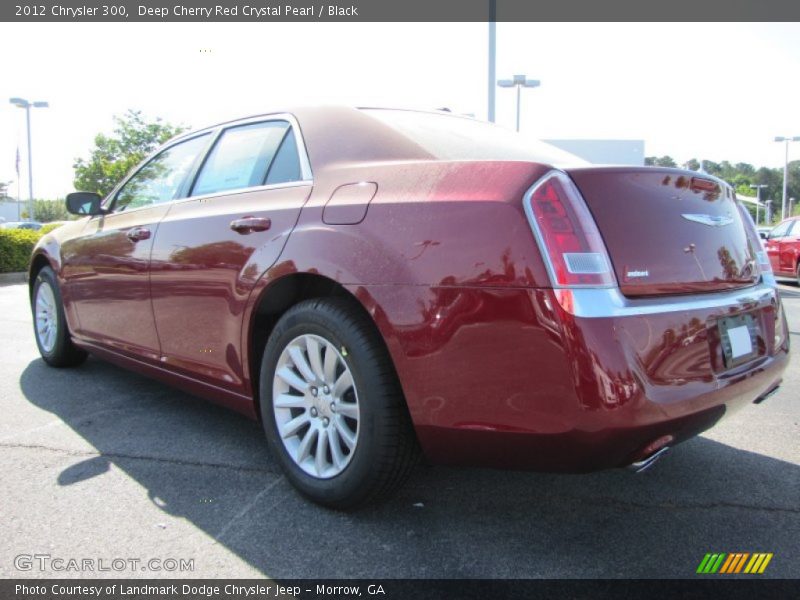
x: 554, y: 381
x: 600, y: 443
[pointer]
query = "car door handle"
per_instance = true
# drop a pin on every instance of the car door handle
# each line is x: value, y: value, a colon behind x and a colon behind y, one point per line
x: 247, y: 225
x: 138, y: 234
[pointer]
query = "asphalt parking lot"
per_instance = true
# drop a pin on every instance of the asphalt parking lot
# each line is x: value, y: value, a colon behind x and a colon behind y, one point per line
x: 101, y: 463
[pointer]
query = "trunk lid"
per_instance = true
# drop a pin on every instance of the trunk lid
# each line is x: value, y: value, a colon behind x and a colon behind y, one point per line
x: 668, y: 231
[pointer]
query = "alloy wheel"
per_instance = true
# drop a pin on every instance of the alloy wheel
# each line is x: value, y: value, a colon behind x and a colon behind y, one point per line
x: 315, y: 404
x: 46, y: 317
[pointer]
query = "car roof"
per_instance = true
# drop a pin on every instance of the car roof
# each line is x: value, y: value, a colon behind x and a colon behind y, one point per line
x: 367, y: 138
x: 348, y: 135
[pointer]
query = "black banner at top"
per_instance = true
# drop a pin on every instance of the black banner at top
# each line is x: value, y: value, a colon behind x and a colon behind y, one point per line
x: 396, y: 10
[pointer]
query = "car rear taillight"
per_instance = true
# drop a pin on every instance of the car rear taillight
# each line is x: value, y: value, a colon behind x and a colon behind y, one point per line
x: 752, y: 234
x: 567, y: 234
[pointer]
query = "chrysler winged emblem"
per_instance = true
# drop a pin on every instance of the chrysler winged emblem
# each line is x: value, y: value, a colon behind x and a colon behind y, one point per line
x: 710, y: 220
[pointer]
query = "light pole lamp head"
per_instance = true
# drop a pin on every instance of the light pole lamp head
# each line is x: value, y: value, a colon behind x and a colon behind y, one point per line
x: 40, y: 104
x: 20, y: 102
x: 519, y: 80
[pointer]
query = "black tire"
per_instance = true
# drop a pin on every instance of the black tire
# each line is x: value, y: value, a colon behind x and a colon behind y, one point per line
x: 386, y: 449
x: 797, y: 274
x: 63, y: 352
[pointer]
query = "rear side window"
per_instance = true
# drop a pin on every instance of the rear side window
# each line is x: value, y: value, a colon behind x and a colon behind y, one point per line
x: 286, y: 166
x: 161, y: 178
x: 246, y: 156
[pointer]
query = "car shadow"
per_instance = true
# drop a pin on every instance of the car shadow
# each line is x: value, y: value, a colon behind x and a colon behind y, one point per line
x: 211, y: 467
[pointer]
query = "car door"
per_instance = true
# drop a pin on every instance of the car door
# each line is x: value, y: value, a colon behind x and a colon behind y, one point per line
x: 212, y: 247
x: 788, y: 249
x: 778, y: 247
x: 106, y: 268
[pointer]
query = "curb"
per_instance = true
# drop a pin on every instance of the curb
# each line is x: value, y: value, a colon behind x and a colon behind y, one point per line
x: 18, y: 277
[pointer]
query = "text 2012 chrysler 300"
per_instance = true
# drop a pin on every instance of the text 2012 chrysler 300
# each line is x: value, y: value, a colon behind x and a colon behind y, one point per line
x: 370, y: 283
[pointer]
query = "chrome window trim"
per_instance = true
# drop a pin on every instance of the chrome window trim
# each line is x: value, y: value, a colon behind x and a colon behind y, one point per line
x: 215, y: 132
x: 260, y: 188
x: 610, y: 302
x: 246, y: 190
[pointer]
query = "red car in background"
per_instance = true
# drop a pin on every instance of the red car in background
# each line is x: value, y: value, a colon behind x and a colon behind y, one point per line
x: 783, y: 248
x: 369, y: 283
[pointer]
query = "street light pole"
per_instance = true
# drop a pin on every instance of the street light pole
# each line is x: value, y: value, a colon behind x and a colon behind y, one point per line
x: 492, y: 55
x: 786, y: 140
x: 519, y: 81
x: 758, y: 187
x: 22, y: 103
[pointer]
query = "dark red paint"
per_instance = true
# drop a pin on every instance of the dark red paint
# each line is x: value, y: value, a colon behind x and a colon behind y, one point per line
x: 495, y: 367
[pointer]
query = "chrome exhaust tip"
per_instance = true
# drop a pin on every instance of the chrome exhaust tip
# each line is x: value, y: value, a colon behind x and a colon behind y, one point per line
x: 648, y: 462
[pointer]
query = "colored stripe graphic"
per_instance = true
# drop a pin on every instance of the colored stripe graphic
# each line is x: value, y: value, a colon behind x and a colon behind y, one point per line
x: 758, y: 563
x: 728, y: 563
x: 734, y: 562
x: 711, y: 563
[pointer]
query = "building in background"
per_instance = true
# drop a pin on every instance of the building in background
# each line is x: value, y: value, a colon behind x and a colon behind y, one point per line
x: 11, y: 209
x: 605, y: 152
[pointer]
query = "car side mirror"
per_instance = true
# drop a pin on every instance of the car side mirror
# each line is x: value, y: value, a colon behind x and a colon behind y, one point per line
x: 764, y: 235
x: 84, y: 203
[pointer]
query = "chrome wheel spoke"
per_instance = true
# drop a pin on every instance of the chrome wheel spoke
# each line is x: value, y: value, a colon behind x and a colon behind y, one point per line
x: 331, y: 358
x: 320, y: 458
x: 304, y: 449
x: 347, y: 409
x: 344, y: 383
x: 336, y: 449
x: 290, y: 428
x: 347, y: 436
x: 315, y: 357
x: 290, y: 401
x: 318, y: 429
x: 292, y: 379
x: 302, y: 364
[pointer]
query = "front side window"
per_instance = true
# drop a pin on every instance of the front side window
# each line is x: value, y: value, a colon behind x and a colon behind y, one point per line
x: 247, y: 156
x: 161, y: 178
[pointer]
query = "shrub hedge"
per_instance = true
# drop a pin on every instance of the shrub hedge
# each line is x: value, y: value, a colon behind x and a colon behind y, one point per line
x: 16, y: 246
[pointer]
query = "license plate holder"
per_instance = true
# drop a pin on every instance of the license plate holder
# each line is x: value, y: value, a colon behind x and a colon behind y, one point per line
x: 738, y: 337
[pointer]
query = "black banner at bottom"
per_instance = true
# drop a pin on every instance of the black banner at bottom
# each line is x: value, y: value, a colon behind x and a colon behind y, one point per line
x: 396, y: 589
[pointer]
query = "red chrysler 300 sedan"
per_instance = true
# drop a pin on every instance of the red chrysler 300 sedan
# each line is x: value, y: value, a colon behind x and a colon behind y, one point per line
x: 371, y: 284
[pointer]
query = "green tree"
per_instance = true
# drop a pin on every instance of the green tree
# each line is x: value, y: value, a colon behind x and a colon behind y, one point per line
x: 113, y: 156
x: 4, y: 189
x: 692, y: 164
x: 45, y: 211
x: 660, y: 161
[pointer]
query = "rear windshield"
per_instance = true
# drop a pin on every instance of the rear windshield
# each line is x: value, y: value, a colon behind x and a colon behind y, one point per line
x: 452, y: 137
